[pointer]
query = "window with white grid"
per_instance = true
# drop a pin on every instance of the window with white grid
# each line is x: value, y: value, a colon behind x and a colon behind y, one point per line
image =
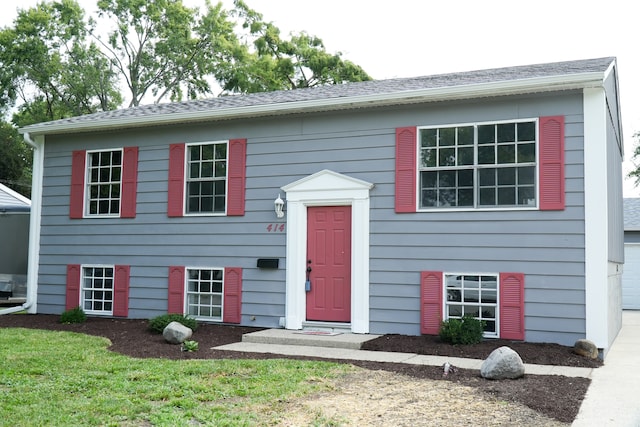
x: 474, y: 295
x: 482, y: 165
x: 204, y: 293
x: 97, y: 289
x: 206, y: 178
x: 104, y: 182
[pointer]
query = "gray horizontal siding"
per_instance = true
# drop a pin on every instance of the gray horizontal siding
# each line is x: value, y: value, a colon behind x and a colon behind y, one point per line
x: 547, y: 246
x: 632, y: 237
x: 614, y: 186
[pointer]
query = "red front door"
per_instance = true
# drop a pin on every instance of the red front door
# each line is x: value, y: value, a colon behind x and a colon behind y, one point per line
x: 329, y: 258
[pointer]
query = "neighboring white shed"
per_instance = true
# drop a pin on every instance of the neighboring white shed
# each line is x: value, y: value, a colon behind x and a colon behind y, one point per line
x: 631, y: 275
x: 14, y: 246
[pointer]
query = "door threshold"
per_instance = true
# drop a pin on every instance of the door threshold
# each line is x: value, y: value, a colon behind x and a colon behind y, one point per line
x: 317, y: 326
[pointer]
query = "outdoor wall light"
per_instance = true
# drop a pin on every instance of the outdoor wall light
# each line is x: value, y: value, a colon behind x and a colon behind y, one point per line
x: 279, y: 206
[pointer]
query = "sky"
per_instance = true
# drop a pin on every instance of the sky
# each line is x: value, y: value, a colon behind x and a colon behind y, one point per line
x: 409, y: 38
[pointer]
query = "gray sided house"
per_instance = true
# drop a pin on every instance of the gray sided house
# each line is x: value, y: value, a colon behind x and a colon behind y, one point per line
x: 493, y: 193
x: 14, y: 245
x: 631, y: 275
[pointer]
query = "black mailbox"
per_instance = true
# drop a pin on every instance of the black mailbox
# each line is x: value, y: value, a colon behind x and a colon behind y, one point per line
x: 268, y: 262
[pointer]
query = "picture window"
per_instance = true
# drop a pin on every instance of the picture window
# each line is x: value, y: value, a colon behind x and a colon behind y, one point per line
x: 478, y: 166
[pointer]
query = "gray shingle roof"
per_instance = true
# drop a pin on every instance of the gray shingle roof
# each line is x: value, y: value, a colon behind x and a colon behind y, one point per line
x: 632, y: 214
x: 10, y: 201
x: 337, y: 93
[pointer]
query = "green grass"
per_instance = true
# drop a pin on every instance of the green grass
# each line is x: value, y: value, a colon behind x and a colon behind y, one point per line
x: 52, y: 378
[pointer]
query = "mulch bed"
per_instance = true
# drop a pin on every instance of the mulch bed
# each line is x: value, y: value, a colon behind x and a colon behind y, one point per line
x: 556, y: 396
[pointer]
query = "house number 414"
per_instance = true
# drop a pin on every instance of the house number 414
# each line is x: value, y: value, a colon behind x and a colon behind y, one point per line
x: 274, y: 228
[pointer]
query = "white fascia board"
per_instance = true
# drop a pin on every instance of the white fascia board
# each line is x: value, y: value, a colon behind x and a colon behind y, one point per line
x: 477, y: 90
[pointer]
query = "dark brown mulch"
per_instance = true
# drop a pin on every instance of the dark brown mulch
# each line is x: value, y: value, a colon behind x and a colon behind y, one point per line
x: 536, y: 353
x: 558, y: 397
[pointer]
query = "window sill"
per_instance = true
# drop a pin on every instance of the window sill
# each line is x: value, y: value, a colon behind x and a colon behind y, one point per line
x: 497, y: 209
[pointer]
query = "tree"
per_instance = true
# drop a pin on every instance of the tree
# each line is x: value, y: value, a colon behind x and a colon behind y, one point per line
x: 635, y: 174
x: 163, y: 48
x: 276, y: 63
x: 54, y: 64
x: 15, y: 160
x: 49, y: 67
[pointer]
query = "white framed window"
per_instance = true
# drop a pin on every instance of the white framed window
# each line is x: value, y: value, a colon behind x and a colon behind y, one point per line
x: 204, y: 296
x: 474, y: 295
x: 104, y: 182
x: 479, y: 165
x: 206, y: 178
x: 97, y: 289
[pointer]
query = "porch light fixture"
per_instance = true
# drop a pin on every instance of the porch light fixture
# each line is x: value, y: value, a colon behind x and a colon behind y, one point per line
x: 279, y: 206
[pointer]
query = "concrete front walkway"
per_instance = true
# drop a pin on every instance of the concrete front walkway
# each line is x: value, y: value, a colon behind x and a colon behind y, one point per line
x: 347, y: 347
x: 613, y: 398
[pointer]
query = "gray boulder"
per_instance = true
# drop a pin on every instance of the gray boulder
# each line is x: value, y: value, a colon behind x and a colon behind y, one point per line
x: 586, y: 348
x: 502, y: 363
x: 176, y: 333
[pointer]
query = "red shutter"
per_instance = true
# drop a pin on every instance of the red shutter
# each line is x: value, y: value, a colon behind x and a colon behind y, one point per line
x: 551, y: 163
x: 73, y: 286
x: 175, y: 196
x: 430, y: 302
x: 78, y: 167
x: 232, y: 295
x: 512, y: 306
x: 129, y: 182
x: 406, y: 152
x: 121, y: 291
x: 176, y: 290
x: 237, y: 177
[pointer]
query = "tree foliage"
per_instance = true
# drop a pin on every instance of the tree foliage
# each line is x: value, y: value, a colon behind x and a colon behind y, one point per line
x: 50, y: 69
x: 635, y: 174
x: 55, y: 63
x: 163, y: 48
x: 272, y: 62
x: 15, y: 160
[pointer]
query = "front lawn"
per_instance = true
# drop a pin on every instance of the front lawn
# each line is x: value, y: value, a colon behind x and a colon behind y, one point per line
x: 65, y: 378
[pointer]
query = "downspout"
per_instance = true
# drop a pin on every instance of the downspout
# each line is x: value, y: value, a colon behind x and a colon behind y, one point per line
x: 30, y: 303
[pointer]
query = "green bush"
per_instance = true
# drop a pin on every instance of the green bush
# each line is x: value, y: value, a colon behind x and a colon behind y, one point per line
x: 190, y: 345
x: 467, y: 330
x: 157, y: 324
x: 74, y: 315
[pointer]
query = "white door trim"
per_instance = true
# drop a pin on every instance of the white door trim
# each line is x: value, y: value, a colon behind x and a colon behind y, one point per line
x: 327, y: 188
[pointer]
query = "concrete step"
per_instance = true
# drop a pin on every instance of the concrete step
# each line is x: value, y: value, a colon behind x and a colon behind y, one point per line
x: 311, y: 338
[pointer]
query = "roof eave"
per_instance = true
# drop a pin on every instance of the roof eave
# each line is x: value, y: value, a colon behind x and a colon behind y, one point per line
x: 478, y: 90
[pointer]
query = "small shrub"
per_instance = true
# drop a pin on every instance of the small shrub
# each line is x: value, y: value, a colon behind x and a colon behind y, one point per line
x: 157, y: 324
x: 74, y: 315
x: 467, y: 330
x: 190, y: 345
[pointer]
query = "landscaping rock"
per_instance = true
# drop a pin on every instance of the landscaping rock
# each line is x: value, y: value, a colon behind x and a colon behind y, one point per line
x: 586, y: 348
x: 502, y: 363
x: 176, y: 333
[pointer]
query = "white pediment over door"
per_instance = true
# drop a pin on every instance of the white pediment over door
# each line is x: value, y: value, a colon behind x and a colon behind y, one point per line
x: 327, y: 180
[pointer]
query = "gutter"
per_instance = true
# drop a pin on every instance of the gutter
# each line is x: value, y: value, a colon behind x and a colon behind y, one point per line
x: 34, y: 228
